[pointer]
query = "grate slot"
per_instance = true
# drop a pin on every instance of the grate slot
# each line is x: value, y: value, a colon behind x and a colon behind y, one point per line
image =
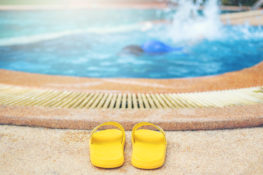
x: 113, y: 101
x: 150, y: 101
x: 40, y: 97
x: 85, y: 101
x: 129, y: 100
x: 57, y: 99
x: 141, y: 105
x: 145, y: 101
x: 91, y: 100
x: 108, y: 100
x: 174, y: 100
x: 80, y: 101
x: 72, y: 100
x: 118, y: 102
x: 102, y: 101
x: 124, y: 102
x: 135, y: 103
x: 97, y: 100
x: 166, y: 100
x: 157, y: 101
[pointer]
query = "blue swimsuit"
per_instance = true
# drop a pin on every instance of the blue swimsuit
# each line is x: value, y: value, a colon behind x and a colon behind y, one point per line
x: 157, y: 47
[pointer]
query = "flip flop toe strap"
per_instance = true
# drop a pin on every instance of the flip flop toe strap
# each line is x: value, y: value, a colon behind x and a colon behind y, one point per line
x: 116, y: 124
x: 137, y: 126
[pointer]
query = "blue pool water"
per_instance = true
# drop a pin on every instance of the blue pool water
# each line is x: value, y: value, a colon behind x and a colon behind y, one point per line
x: 90, y: 43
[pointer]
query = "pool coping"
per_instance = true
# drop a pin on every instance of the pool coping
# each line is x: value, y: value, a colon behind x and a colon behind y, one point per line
x: 248, y: 77
x: 169, y: 119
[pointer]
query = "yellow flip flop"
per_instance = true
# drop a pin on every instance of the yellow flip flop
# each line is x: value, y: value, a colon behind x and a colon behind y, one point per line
x: 107, y: 146
x: 149, y: 147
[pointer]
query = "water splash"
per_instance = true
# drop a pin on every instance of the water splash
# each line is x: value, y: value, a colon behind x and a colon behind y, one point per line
x: 189, y: 24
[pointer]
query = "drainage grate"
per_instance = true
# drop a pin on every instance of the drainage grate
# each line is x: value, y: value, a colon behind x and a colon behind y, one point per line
x: 21, y: 96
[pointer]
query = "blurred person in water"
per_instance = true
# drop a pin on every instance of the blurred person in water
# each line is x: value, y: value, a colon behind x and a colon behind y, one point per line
x: 152, y: 47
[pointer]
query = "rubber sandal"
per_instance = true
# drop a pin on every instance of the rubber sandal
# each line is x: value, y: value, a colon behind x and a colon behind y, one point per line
x: 149, y: 147
x: 107, y: 146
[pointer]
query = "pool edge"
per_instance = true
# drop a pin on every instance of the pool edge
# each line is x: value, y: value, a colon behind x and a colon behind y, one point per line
x: 248, y: 77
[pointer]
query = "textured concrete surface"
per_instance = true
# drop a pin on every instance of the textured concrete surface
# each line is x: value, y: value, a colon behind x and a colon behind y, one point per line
x: 168, y: 119
x: 26, y: 150
x: 249, y: 77
x: 254, y: 18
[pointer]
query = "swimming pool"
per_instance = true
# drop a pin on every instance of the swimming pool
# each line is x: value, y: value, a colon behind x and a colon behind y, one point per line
x: 89, y: 44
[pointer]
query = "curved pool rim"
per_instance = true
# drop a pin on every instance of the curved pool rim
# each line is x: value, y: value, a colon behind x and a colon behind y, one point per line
x: 203, y: 118
x: 248, y: 77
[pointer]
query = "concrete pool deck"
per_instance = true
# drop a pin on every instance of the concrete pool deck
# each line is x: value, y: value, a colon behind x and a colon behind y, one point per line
x: 26, y: 150
x: 254, y: 17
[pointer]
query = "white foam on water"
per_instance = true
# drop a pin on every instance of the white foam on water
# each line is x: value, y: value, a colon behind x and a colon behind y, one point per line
x: 36, y: 38
x: 49, y: 36
x: 247, y: 32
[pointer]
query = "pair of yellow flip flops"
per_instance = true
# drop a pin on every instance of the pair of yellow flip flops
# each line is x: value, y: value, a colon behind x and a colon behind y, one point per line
x: 107, y: 146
